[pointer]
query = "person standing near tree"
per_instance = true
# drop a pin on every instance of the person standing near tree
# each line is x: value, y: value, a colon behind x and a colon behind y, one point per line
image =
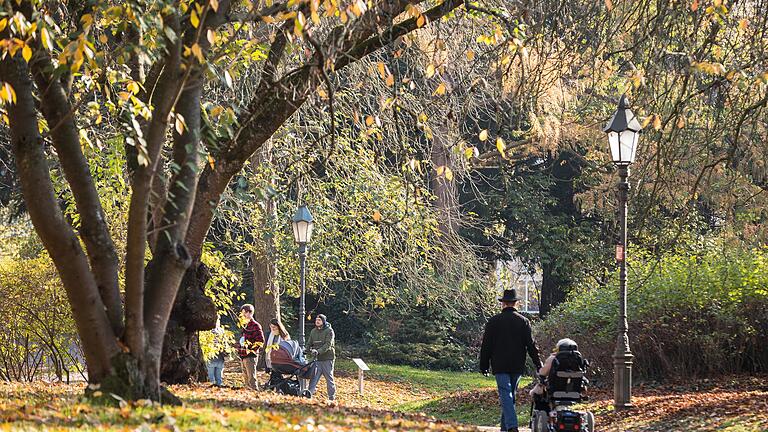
x: 249, y: 345
x: 506, y: 340
x: 321, y: 348
x: 216, y: 363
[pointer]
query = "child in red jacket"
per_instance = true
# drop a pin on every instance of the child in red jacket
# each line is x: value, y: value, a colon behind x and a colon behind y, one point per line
x: 250, y: 343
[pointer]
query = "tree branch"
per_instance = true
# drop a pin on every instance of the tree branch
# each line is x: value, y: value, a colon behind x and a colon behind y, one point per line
x: 94, y: 231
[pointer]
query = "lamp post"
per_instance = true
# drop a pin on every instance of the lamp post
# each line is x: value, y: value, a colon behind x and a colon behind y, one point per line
x: 302, y: 232
x: 623, y: 133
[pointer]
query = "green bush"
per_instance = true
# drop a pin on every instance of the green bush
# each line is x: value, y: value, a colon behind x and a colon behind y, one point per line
x: 421, y: 338
x: 689, y: 314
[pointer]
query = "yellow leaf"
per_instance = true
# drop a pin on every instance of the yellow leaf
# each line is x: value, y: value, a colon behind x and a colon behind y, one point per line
x: 440, y: 90
x: 216, y: 111
x: 298, y: 25
x: 421, y: 20
x: 382, y: 70
x: 743, y: 24
x: 390, y: 80
x: 87, y: 20
x: 501, y: 147
x: 46, y: 39
x: 193, y: 18
x: 103, y: 38
x: 7, y: 94
x: 211, y: 161
x: 26, y: 52
x: 483, y: 135
x: 657, y: 122
x: 133, y: 87
x: 179, y: 124
x: 198, y: 52
x: 430, y: 70
x: 369, y: 120
x: 3, y: 23
x: 376, y: 216
x: 215, y: 5
x: 440, y: 170
x: 470, y: 55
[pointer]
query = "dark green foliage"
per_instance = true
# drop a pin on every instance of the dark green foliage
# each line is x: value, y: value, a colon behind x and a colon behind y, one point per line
x: 424, y: 338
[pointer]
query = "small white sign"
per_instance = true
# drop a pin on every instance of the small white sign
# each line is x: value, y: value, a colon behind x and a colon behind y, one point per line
x: 361, y: 364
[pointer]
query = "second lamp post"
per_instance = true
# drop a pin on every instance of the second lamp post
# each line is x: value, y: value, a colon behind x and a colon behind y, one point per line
x: 623, y: 132
x: 302, y: 232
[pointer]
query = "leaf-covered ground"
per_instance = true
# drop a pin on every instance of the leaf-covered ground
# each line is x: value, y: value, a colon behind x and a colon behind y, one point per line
x: 733, y: 404
x: 396, y: 398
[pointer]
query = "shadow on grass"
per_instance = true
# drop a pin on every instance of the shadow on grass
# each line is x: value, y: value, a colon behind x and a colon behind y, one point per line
x: 480, y: 407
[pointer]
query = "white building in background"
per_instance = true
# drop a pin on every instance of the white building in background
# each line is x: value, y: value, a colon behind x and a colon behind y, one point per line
x: 513, y: 274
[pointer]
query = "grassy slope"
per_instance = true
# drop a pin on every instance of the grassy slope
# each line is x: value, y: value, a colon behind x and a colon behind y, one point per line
x: 458, y: 396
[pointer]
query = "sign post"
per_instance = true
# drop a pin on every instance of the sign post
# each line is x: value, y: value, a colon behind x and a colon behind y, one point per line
x: 361, y: 366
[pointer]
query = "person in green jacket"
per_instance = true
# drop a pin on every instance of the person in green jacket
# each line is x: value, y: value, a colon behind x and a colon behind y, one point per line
x: 320, y: 346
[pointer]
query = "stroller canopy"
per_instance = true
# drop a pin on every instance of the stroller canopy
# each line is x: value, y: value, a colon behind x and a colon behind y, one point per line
x: 288, y: 352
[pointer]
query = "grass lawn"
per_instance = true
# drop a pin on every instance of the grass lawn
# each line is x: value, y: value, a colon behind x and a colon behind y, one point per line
x: 464, y: 397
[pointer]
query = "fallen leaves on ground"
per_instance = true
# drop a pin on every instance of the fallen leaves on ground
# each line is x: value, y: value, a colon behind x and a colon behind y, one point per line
x: 731, y: 404
x: 737, y: 403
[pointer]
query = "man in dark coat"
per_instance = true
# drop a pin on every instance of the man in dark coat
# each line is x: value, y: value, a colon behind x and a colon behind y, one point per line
x: 506, y: 340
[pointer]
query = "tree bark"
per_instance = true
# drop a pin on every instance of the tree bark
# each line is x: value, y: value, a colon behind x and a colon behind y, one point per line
x: 266, y: 295
x: 99, y: 341
x: 193, y: 311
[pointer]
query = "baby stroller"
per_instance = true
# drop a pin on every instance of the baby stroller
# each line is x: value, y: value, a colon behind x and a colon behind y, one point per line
x: 552, y: 411
x: 288, y: 367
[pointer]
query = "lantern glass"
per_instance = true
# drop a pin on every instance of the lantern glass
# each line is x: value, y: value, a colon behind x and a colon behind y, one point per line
x: 623, y: 146
x: 302, y: 225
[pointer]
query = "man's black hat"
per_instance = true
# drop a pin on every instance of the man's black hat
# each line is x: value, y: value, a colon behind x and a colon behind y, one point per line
x: 510, y: 295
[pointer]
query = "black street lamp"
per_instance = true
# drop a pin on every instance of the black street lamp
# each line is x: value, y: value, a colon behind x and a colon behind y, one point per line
x: 302, y: 232
x: 623, y: 134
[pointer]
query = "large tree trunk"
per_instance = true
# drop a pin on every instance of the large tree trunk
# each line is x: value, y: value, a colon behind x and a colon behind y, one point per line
x: 443, y: 187
x: 266, y: 295
x: 131, y: 367
x: 193, y: 311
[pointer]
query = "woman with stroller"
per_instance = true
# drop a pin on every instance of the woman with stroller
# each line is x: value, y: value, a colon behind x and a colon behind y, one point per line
x: 277, y: 334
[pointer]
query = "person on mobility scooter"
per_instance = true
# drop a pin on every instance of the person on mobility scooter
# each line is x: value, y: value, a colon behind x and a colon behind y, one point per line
x: 561, y: 385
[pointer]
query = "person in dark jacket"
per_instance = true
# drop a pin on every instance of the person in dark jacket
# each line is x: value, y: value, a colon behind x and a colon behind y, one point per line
x: 249, y: 345
x: 506, y: 340
x: 321, y: 347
